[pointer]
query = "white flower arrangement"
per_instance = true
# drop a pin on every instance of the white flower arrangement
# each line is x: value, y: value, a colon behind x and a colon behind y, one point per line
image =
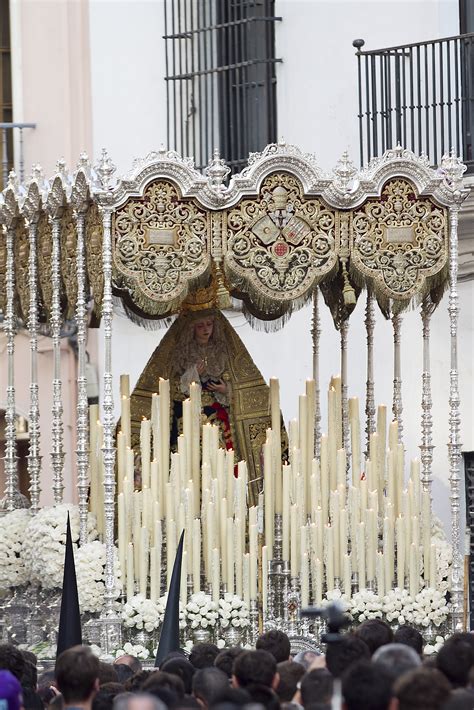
x: 12, y: 533
x: 44, y: 543
x: 397, y: 606
x: 233, y: 611
x: 140, y: 613
x: 201, y: 611
x: 90, y: 574
x: 365, y: 604
x: 430, y: 648
x: 131, y: 650
x: 429, y: 607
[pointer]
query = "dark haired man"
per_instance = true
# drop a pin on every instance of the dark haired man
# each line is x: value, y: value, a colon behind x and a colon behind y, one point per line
x: 203, y: 655
x: 255, y: 668
x: 425, y: 688
x: 341, y: 655
x: 208, y: 683
x: 77, y: 677
x: 365, y: 687
x: 275, y: 642
x: 410, y: 637
x: 375, y: 633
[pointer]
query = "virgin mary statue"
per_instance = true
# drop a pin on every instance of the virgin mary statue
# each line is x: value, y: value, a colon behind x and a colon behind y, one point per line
x: 201, y: 346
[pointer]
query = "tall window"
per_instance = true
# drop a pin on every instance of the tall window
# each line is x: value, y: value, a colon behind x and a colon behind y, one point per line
x: 220, y: 74
x: 6, y: 106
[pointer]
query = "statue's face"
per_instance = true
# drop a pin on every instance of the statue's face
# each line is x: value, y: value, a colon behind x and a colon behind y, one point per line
x: 203, y: 330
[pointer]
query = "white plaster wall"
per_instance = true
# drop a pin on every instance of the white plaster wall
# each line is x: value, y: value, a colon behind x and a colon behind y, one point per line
x: 317, y: 90
x: 128, y: 70
x: 51, y: 80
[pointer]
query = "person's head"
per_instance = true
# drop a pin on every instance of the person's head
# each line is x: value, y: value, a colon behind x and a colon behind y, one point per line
x: 203, y: 655
x: 123, y: 672
x: 138, y: 701
x: 160, y: 680
x: 410, y: 637
x: 316, y: 686
x: 396, y: 659
x: 275, y: 642
x: 365, y: 687
x: 12, y: 659
x: 425, y: 688
x: 135, y: 683
x: 104, y: 698
x: 264, y: 696
x: 107, y: 673
x: 343, y: 653
x: 207, y: 684
x: 460, y: 699
x: 182, y: 668
x: 10, y: 691
x: 29, y: 677
x: 128, y: 660
x: 77, y: 674
x: 375, y: 633
x: 203, y: 329
x: 305, y: 658
x: 230, y: 699
x: 255, y: 668
x: 225, y: 659
x: 290, y: 674
x: 455, y: 660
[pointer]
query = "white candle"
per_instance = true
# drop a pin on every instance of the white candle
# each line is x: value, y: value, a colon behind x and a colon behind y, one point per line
x: 122, y: 534
x: 303, y: 435
x: 268, y: 490
x: 276, y: 429
x: 253, y: 561
x: 414, y: 574
x: 325, y: 482
x: 164, y: 390
x: 400, y: 534
x: 341, y: 468
x: 239, y: 553
x: 294, y: 540
x: 304, y: 580
x: 130, y: 573
x: 264, y: 578
x: 311, y: 413
x: 286, y: 474
x: 230, y: 555
x: 121, y: 460
x: 332, y: 437
x: 380, y: 575
x: 195, y: 398
x: 215, y: 585
x: 355, y: 439
x: 153, y: 575
x: 145, y: 433
x: 371, y: 543
x: 361, y: 555
x: 155, y: 424
x: 426, y: 535
x: 125, y: 423
x: 143, y: 561
x: 246, y: 578
x: 433, y: 568
x: 347, y: 576
x: 196, y: 555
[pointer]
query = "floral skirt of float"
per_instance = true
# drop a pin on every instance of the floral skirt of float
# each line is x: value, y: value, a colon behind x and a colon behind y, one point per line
x: 214, y: 413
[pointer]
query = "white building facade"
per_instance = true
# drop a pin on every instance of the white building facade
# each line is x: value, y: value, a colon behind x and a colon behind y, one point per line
x: 91, y: 74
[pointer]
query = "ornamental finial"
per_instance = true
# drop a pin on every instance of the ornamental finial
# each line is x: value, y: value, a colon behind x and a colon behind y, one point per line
x: 344, y: 172
x: 452, y: 169
x: 217, y: 171
x: 105, y: 169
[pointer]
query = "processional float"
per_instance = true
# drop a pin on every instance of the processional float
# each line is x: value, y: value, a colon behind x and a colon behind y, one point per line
x: 321, y: 524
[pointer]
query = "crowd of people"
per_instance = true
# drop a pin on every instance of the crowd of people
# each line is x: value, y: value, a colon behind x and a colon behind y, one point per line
x: 370, y: 668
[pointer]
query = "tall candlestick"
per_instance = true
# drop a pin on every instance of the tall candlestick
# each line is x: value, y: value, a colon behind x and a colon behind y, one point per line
x: 276, y: 429
x: 215, y: 575
x: 197, y: 555
x: 286, y: 474
x: 354, y: 421
x: 130, y: 573
x: 332, y: 437
x: 264, y: 578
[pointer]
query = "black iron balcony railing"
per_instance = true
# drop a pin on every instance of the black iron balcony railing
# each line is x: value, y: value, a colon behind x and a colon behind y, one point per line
x: 420, y: 96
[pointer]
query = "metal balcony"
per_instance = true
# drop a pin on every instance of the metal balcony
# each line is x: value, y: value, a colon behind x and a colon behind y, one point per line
x: 420, y: 96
